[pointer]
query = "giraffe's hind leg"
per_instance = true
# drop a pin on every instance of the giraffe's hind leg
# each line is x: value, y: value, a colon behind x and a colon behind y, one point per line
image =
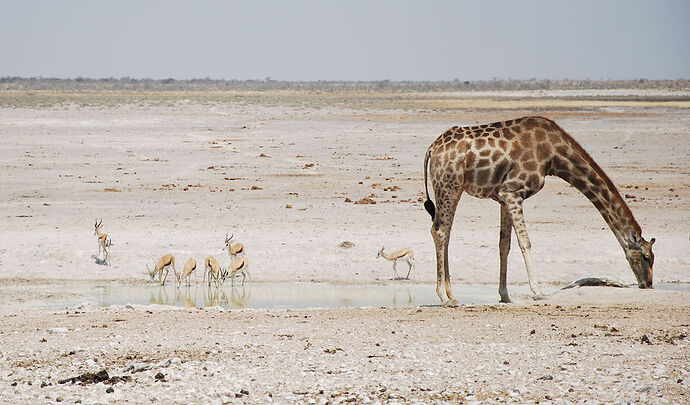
x: 440, y: 231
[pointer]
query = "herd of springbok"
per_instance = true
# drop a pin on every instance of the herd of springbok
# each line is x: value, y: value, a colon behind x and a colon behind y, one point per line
x: 239, y: 262
x: 212, y: 270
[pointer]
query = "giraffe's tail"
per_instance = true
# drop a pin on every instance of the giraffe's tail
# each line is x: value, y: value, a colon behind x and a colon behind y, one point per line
x: 428, y: 204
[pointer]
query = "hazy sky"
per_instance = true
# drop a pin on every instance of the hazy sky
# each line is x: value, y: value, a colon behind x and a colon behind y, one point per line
x: 346, y: 40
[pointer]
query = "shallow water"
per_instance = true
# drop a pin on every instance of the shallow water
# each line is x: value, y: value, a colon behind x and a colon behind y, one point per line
x: 267, y: 295
x: 295, y: 295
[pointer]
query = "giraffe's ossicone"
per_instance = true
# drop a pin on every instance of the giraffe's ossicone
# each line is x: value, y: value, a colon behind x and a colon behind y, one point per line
x: 508, y: 162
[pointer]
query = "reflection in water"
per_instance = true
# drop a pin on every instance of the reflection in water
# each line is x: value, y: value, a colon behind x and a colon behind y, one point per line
x: 404, y: 293
x: 270, y: 296
x: 191, y: 296
x: 267, y: 296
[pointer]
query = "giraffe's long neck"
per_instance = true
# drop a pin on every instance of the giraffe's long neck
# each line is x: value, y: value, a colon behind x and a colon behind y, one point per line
x: 574, y: 165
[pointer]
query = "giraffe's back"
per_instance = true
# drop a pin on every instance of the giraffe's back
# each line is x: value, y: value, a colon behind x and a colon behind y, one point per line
x: 515, y: 153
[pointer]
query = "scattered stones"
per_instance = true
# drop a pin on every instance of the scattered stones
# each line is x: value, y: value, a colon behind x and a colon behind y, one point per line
x: 645, y: 339
x: 366, y: 200
x: 160, y: 377
x: 346, y: 244
x: 546, y: 377
x: 110, y: 390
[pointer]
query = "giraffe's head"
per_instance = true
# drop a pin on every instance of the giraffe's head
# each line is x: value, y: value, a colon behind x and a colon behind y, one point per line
x: 641, y: 258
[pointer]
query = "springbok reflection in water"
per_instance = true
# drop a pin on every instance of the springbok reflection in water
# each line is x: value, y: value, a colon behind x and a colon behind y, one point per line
x: 201, y: 296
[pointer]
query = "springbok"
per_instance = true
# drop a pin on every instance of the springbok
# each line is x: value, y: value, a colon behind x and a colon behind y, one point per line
x: 233, y: 250
x: 164, y: 263
x: 240, y: 265
x: 405, y: 254
x: 213, y: 269
x: 189, y: 268
x: 104, y: 242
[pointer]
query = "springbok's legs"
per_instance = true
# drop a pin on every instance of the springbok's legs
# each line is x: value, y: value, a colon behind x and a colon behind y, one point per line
x: 410, y: 263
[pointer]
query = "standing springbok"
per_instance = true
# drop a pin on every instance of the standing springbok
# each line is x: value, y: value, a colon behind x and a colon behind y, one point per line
x: 189, y: 268
x: 240, y: 265
x: 233, y: 250
x: 212, y: 267
x: 405, y: 254
x: 104, y: 242
x: 164, y: 263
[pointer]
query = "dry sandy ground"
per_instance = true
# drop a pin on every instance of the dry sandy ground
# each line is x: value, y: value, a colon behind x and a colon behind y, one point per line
x: 597, y: 345
x: 175, y: 176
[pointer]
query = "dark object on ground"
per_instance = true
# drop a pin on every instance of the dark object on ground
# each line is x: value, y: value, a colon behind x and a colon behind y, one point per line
x: 94, y: 378
x: 595, y: 282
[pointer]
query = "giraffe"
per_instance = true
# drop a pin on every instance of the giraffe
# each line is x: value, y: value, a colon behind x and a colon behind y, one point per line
x: 508, y: 162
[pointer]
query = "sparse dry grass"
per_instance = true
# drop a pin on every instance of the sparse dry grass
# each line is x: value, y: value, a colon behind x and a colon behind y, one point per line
x: 430, y: 102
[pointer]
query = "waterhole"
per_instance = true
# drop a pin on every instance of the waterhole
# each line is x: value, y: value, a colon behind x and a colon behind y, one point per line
x: 261, y: 295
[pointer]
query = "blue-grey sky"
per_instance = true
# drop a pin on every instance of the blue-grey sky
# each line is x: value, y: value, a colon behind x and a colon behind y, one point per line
x: 346, y: 40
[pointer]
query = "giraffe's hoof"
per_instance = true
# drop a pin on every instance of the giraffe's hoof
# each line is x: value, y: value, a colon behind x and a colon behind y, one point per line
x: 451, y: 303
x: 539, y: 297
x: 505, y: 300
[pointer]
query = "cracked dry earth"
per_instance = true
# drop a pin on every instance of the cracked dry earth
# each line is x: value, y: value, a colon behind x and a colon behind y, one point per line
x: 633, y: 347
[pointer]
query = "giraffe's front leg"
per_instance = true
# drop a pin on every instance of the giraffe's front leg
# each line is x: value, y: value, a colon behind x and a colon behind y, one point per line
x: 504, y: 249
x: 514, y: 207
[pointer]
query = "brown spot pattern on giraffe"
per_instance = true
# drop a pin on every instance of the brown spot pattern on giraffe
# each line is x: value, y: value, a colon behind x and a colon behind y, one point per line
x: 482, y: 176
x: 470, y: 158
x: 543, y: 151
